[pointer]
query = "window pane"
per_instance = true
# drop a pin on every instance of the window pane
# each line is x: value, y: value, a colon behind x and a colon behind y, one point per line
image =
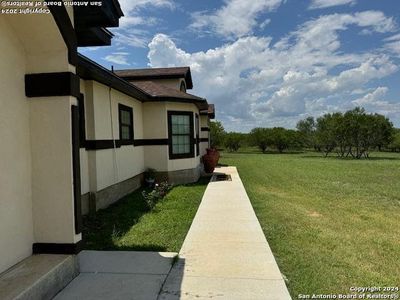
x: 125, y: 117
x: 175, y: 129
x: 186, y: 148
x: 174, y: 120
x: 185, y: 120
x: 125, y: 132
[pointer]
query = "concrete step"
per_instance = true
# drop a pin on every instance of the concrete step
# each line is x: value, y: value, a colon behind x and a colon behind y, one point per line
x: 38, y: 277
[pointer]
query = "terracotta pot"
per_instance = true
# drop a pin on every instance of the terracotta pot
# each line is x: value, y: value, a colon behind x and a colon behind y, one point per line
x: 214, y: 153
x: 209, y: 162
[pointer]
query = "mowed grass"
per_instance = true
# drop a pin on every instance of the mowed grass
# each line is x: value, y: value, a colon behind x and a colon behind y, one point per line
x: 332, y: 224
x: 129, y: 225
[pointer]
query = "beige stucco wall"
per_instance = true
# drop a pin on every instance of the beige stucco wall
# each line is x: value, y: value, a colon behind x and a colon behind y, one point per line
x: 15, y: 160
x: 109, y: 166
x: 84, y: 155
x: 52, y: 184
x: 36, y: 202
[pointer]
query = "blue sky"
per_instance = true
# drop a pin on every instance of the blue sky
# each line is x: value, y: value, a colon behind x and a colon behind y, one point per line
x: 268, y: 62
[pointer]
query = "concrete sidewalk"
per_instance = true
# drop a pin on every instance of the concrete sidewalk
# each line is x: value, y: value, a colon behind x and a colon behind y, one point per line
x: 225, y: 254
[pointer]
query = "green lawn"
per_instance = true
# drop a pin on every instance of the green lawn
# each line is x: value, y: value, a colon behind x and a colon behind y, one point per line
x: 331, y: 223
x: 128, y: 225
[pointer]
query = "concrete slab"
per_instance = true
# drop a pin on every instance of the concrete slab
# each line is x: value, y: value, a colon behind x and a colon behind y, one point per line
x: 38, y: 277
x: 225, y: 254
x: 131, y: 262
x: 119, y: 275
x: 108, y: 286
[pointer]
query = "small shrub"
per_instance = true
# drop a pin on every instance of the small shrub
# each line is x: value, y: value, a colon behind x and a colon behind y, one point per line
x: 160, y: 190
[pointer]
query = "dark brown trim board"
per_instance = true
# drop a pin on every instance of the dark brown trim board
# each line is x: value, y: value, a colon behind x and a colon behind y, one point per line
x: 205, y: 129
x: 52, y: 84
x: 67, y: 31
x: 53, y: 248
x: 192, y: 140
x: 100, y: 144
x: 90, y: 70
x: 76, y: 169
x: 109, y: 144
x: 150, y: 142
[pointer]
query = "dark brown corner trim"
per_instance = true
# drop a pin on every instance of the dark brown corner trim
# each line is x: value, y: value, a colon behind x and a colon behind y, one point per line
x: 52, y: 248
x: 76, y: 169
x: 52, y: 84
x: 67, y: 31
x: 205, y: 129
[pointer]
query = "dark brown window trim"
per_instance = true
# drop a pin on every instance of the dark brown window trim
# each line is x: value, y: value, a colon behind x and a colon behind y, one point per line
x: 52, y: 84
x: 128, y: 109
x: 205, y: 129
x: 192, y: 139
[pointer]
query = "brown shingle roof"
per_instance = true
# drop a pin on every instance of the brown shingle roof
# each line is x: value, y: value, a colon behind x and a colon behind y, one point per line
x: 162, y: 92
x: 144, y: 91
x: 157, y: 73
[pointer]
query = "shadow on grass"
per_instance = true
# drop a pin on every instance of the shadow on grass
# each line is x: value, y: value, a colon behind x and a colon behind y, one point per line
x: 102, y: 229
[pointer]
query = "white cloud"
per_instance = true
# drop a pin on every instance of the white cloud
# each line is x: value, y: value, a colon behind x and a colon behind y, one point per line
x: 236, y: 18
x: 133, y: 26
x: 316, y: 4
x: 134, y: 38
x: 375, y: 102
x: 254, y: 82
x: 265, y: 24
x: 393, y: 44
x: 129, y: 6
x: 119, y: 58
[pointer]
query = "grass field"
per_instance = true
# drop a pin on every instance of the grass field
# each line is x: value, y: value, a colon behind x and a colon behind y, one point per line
x: 128, y: 225
x: 331, y: 223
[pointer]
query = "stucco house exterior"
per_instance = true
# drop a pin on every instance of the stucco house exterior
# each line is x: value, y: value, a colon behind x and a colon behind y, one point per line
x: 76, y: 136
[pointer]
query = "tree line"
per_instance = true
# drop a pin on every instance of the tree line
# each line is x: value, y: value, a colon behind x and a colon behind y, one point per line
x: 354, y: 133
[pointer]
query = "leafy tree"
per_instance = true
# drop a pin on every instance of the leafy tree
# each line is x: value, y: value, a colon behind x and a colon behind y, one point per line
x: 233, y: 141
x: 217, y: 134
x: 395, y: 143
x: 353, y: 133
x: 280, y: 138
x: 261, y: 137
x: 326, y: 132
x: 306, y: 129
